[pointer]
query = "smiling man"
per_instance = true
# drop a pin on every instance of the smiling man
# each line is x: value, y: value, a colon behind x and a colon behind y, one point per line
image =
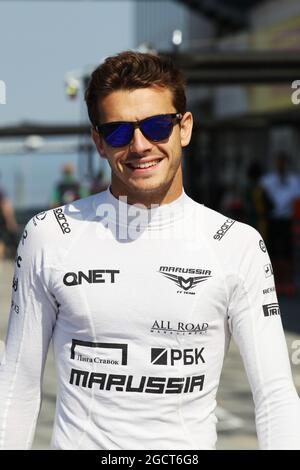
x: 145, y: 170
x: 141, y: 289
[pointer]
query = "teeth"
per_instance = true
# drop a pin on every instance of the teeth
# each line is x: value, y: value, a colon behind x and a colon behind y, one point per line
x: 144, y: 165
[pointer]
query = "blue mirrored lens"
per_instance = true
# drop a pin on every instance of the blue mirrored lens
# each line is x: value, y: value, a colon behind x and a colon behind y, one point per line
x: 118, y: 135
x: 157, y: 128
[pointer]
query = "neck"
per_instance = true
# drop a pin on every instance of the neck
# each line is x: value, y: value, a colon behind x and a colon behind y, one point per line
x: 164, y: 195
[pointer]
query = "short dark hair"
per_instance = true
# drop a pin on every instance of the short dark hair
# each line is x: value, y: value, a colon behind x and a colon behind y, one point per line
x: 129, y: 70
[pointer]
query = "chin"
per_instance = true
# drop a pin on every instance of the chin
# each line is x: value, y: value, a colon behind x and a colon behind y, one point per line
x: 149, y: 186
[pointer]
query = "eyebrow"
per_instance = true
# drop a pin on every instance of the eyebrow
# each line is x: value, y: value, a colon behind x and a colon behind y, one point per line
x: 139, y: 120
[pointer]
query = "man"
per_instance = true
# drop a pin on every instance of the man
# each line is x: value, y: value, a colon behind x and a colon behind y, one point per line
x: 283, y: 188
x: 68, y: 189
x: 140, y: 288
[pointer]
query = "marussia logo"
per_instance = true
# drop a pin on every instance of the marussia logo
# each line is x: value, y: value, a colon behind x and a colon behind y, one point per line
x: 186, y: 283
x: 183, y: 283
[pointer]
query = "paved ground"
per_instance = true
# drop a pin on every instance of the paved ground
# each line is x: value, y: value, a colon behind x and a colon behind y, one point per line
x: 235, y: 412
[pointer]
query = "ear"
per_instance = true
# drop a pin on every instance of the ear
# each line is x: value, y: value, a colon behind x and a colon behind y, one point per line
x: 186, y: 126
x: 98, y: 141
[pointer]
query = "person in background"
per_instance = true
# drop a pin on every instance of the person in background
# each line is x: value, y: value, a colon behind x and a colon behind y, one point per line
x: 98, y: 184
x: 232, y: 203
x: 68, y: 189
x: 258, y: 205
x: 282, y: 187
x: 8, y: 224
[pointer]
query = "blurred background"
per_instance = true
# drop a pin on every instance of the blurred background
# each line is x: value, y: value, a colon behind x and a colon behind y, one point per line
x: 242, y: 64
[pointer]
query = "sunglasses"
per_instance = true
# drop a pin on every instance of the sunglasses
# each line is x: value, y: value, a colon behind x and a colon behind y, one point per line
x: 155, y: 128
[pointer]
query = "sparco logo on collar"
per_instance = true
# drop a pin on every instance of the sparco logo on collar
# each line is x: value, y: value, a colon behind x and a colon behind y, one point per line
x: 165, y: 327
x: 185, y: 283
x: 164, y: 357
x: 93, y: 276
x: 224, y: 229
x: 271, y: 309
x: 62, y: 220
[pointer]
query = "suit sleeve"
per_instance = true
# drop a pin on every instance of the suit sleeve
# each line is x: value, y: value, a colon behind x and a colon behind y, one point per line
x: 255, y: 323
x: 31, y: 322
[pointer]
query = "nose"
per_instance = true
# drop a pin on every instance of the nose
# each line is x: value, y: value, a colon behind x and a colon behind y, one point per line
x: 139, y: 143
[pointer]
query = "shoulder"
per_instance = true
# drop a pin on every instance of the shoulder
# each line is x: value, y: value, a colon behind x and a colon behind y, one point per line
x: 222, y: 228
x: 232, y: 241
x: 221, y: 231
x: 55, y: 227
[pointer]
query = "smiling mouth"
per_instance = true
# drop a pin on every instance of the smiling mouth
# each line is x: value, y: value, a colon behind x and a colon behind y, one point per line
x: 143, y: 166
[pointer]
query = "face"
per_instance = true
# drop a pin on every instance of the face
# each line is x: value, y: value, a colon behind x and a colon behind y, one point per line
x: 165, y: 177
